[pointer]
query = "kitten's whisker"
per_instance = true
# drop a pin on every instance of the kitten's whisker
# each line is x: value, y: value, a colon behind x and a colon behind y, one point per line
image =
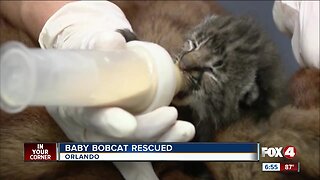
x: 198, y: 123
x: 212, y: 76
x: 176, y: 59
x: 191, y: 80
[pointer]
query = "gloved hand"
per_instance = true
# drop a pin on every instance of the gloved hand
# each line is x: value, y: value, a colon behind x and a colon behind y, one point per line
x: 300, y: 20
x: 85, y: 25
x: 116, y: 125
x: 93, y: 25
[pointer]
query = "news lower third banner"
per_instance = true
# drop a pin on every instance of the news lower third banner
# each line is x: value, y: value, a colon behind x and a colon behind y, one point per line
x: 141, y: 151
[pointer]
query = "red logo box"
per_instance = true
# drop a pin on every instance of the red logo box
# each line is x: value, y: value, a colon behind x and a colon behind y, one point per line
x: 40, y: 151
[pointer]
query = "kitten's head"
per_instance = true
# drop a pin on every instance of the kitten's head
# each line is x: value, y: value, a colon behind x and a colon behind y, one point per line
x: 221, y: 60
x: 230, y: 67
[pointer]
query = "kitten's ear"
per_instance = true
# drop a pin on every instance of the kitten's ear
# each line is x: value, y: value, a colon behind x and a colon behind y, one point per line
x: 251, y: 96
x: 127, y: 34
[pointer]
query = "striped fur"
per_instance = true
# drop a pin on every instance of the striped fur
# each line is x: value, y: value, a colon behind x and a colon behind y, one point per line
x: 232, y: 69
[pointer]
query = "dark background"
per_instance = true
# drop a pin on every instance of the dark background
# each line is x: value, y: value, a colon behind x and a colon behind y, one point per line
x: 262, y: 12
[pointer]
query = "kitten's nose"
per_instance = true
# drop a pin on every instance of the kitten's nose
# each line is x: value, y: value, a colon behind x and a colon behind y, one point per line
x: 186, y: 64
x: 182, y: 65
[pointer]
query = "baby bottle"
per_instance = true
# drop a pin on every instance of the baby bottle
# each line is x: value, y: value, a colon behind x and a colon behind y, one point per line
x: 138, y: 78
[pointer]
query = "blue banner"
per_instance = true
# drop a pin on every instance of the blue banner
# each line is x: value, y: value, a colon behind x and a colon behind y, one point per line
x: 158, y: 147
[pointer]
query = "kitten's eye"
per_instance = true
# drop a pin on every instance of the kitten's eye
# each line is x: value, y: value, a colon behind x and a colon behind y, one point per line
x: 218, y: 63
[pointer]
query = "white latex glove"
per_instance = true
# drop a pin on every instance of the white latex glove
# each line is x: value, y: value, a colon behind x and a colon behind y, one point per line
x: 116, y: 125
x: 92, y: 25
x: 85, y: 25
x: 300, y: 20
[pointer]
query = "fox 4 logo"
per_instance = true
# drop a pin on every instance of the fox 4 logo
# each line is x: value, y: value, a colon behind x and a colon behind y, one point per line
x: 289, y: 152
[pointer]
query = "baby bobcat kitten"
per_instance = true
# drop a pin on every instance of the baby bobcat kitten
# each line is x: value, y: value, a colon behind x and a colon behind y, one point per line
x: 231, y: 69
x: 233, y: 74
